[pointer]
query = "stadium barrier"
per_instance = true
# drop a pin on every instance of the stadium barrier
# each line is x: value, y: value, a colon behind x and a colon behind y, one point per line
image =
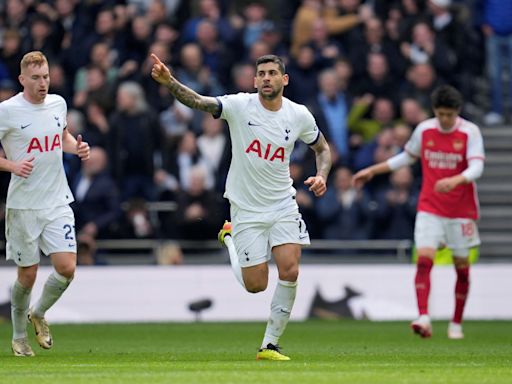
x: 162, y: 294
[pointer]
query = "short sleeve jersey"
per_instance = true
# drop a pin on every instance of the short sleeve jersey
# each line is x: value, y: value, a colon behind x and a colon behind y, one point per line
x: 446, y: 154
x: 35, y: 130
x: 262, y: 142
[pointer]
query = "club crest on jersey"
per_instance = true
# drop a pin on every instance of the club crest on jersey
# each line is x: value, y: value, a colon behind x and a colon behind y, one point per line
x: 430, y: 143
x: 44, y: 145
x: 458, y: 144
x: 269, y: 153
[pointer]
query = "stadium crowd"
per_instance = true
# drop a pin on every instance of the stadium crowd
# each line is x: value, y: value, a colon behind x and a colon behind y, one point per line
x: 364, y: 68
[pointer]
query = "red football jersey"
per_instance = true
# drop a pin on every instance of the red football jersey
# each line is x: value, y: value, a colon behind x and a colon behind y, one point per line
x: 445, y: 154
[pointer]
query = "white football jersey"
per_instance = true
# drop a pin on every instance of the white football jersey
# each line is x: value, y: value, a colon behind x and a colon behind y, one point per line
x: 35, y: 130
x: 262, y: 142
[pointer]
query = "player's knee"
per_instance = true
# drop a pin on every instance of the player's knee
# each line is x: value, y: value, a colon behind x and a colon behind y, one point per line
x: 256, y: 286
x: 290, y: 273
x: 68, y: 270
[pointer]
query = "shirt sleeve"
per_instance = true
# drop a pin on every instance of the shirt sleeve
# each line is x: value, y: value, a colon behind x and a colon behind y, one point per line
x: 309, y: 132
x: 229, y: 104
x: 413, y: 146
x: 475, y: 146
x: 4, y: 121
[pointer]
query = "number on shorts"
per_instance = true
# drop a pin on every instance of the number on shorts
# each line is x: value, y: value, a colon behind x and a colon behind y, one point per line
x: 467, y: 229
x: 69, y: 230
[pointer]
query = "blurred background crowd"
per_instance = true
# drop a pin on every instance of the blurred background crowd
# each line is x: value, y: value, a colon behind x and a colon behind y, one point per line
x: 365, y: 69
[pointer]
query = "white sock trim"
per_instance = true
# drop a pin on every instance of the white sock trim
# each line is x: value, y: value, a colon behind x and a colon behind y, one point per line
x: 287, y: 283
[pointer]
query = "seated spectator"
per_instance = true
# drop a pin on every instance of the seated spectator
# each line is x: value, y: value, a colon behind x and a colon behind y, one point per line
x: 425, y: 47
x: 304, y: 70
x: 344, y: 212
x: 216, y: 150
x: 97, y: 207
x: 421, y: 81
x: 198, y: 216
x: 412, y: 113
x: 396, y: 207
x: 305, y: 198
x: 382, y: 115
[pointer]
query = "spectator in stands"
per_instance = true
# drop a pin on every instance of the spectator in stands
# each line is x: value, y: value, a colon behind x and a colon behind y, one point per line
x: 344, y: 213
x: 421, y: 81
x: 411, y: 112
x: 216, y: 56
x: 211, y: 11
x: 497, y: 28
x: 215, y: 148
x: 303, y: 68
x: 157, y: 97
x: 134, y: 143
x: 305, y: 198
x: 42, y: 37
x: 255, y: 16
x: 198, y: 215
x: 330, y: 109
x: 425, y: 47
x: 7, y: 89
x: 96, y: 88
x: 326, y: 49
x: 195, y: 75
x: 97, y: 206
x: 396, y: 207
x: 378, y: 81
x: 137, y: 223
x: 375, y: 42
x: 11, y: 53
x: 242, y: 78
x: 382, y: 115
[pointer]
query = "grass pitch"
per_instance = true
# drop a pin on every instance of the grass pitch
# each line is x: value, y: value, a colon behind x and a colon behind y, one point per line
x: 321, y: 352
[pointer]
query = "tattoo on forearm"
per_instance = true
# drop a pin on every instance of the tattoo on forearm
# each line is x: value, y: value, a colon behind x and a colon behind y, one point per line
x: 323, y: 158
x: 323, y: 163
x: 192, y: 99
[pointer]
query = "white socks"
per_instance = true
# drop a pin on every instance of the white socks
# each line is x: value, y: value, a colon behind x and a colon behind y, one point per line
x: 20, y: 300
x: 53, y: 289
x: 233, y: 258
x: 280, y: 309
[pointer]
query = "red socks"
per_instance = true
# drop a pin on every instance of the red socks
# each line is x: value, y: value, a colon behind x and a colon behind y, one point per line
x: 422, y: 282
x: 461, y: 292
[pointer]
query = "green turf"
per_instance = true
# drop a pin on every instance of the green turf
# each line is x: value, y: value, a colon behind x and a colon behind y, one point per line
x: 321, y: 352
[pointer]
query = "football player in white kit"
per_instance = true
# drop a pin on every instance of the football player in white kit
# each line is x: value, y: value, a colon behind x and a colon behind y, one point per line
x: 38, y: 217
x: 264, y: 127
x: 451, y: 151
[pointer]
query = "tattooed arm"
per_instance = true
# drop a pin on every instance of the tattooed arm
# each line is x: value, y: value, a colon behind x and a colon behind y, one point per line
x: 185, y: 95
x: 318, y: 184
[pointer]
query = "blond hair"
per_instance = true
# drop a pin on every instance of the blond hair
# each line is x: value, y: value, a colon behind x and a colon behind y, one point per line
x: 33, y: 58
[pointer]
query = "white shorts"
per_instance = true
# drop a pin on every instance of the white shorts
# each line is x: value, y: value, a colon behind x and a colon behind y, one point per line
x: 255, y: 234
x: 432, y: 231
x: 27, y: 231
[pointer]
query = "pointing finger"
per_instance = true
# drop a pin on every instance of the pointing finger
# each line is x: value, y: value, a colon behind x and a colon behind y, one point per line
x: 156, y: 59
x: 79, y: 140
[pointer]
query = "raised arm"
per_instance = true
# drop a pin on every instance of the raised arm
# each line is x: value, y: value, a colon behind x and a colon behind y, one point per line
x: 318, y: 184
x: 185, y: 95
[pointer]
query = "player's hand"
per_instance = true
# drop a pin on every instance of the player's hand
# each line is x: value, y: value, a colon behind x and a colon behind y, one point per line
x: 445, y: 185
x: 160, y: 72
x: 24, y: 168
x: 82, y: 148
x: 316, y: 185
x: 361, y: 178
